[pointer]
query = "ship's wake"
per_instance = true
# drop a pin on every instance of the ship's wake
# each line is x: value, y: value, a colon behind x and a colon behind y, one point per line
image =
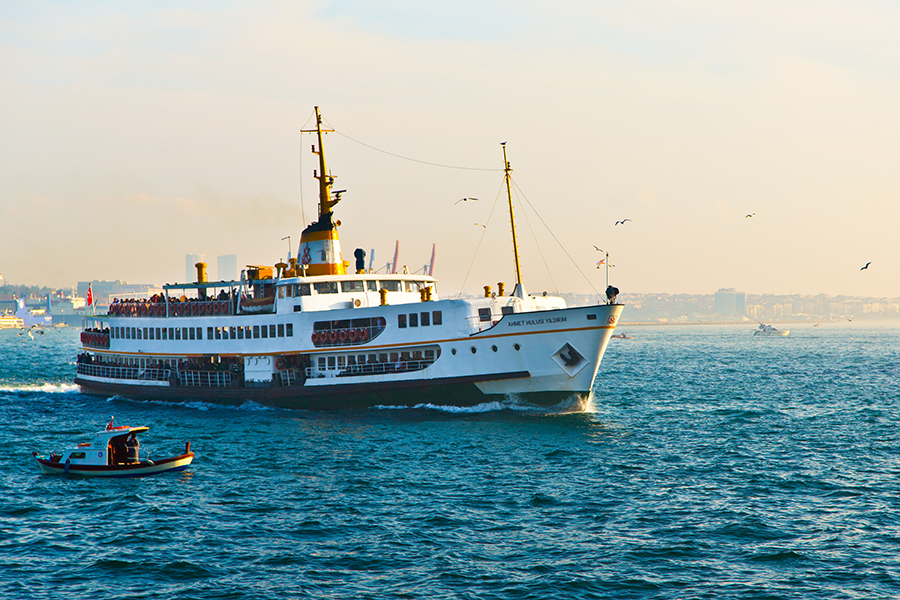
x: 44, y: 388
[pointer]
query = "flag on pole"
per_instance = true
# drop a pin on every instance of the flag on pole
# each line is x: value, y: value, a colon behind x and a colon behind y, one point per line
x: 90, y: 298
x: 601, y: 263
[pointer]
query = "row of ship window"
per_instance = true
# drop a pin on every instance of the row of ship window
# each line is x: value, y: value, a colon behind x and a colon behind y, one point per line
x: 247, y: 332
x: 340, y: 362
x: 423, y: 318
x: 331, y: 287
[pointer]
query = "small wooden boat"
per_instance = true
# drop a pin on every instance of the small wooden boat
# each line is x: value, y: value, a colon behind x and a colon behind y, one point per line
x: 114, y: 452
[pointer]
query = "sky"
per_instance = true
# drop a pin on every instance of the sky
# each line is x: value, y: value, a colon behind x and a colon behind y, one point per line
x: 134, y: 133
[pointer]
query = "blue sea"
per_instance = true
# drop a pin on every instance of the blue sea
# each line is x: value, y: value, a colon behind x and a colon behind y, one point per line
x: 714, y: 464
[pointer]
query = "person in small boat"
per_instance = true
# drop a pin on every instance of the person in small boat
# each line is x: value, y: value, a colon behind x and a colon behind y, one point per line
x: 133, y: 446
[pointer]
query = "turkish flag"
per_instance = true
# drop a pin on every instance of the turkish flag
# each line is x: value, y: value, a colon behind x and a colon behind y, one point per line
x: 90, y: 298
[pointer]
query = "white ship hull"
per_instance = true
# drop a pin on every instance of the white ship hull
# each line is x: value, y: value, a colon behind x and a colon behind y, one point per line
x: 542, y: 357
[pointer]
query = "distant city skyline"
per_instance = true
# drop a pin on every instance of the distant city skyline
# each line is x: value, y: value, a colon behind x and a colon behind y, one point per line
x: 137, y: 133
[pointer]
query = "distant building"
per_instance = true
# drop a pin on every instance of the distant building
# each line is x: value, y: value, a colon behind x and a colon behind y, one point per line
x: 190, y: 270
x: 226, y: 267
x: 730, y: 303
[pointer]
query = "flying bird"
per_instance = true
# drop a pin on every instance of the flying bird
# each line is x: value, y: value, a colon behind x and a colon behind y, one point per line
x: 464, y: 200
x: 622, y: 222
x: 597, y: 249
x: 750, y: 215
x: 480, y: 225
x: 865, y: 267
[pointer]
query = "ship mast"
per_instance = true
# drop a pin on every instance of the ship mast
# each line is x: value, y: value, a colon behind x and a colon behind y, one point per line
x: 512, y: 220
x: 326, y: 204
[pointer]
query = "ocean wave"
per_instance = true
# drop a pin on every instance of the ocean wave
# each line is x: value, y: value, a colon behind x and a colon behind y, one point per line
x: 45, y: 388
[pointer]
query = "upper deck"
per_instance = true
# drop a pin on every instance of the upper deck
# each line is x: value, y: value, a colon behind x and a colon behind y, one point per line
x: 287, y: 294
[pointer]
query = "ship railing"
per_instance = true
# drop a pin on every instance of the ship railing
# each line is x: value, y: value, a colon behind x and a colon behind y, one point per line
x: 404, y: 366
x: 205, y: 378
x: 113, y: 372
x: 187, y: 308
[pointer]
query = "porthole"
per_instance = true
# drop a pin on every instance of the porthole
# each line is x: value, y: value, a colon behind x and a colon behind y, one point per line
x: 517, y: 347
x: 453, y: 351
x: 473, y: 349
x: 494, y: 348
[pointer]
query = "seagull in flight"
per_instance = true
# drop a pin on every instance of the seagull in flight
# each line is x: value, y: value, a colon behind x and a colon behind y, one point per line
x: 750, y: 215
x: 865, y: 267
x: 480, y: 225
x: 464, y: 200
x: 597, y: 249
x: 622, y: 222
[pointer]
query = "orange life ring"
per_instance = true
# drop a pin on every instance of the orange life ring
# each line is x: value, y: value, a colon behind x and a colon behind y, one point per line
x: 353, y: 334
x: 195, y: 308
x: 214, y: 308
x: 343, y: 335
x: 315, y: 337
x: 280, y: 363
x: 333, y: 336
x: 363, y: 334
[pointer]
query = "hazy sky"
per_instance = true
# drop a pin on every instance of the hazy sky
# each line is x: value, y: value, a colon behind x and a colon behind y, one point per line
x: 134, y: 133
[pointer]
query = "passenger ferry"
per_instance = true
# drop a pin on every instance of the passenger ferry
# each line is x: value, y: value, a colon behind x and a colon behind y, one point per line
x: 311, y: 334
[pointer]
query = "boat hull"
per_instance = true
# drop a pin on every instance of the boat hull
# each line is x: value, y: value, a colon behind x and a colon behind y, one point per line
x: 462, y: 391
x: 141, y: 469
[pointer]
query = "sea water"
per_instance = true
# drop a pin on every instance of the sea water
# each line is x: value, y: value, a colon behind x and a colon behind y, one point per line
x: 714, y: 464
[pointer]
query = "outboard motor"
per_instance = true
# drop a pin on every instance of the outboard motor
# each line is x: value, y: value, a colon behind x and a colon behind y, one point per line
x: 360, y: 255
x: 611, y: 293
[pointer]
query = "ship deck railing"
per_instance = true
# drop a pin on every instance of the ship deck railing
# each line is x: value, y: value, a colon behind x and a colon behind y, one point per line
x: 187, y: 308
x: 204, y: 378
x: 405, y: 366
x: 115, y: 372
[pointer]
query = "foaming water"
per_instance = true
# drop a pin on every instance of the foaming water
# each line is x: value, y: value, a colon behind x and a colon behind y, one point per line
x: 710, y: 464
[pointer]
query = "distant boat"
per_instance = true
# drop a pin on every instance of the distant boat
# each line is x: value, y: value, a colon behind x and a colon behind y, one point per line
x: 769, y: 330
x: 622, y: 336
x: 11, y: 322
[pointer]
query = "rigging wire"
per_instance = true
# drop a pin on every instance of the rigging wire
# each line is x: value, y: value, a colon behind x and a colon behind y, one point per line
x: 524, y: 197
x: 483, y: 233
x: 415, y: 160
x: 536, y: 243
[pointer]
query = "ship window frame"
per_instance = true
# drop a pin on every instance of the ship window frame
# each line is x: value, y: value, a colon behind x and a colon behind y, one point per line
x: 264, y: 331
x: 281, y: 291
x: 391, y: 283
x: 413, y: 319
x: 78, y: 455
x: 354, y: 286
x: 507, y: 310
x: 152, y: 334
x: 484, y: 315
x: 233, y: 332
x: 272, y: 330
x: 289, y: 330
x: 256, y: 332
x: 178, y: 333
x: 165, y: 334
x: 184, y: 332
x: 371, y: 285
x: 326, y: 287
x: 281, y: 330
x: 199, y: 333
x: 289, y: 291
x: 437, y: 317
x: 401, y: 321
x: 171, y: 333
x: 424, y: 319
x: 240, y: 333
x: 304, y: 290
